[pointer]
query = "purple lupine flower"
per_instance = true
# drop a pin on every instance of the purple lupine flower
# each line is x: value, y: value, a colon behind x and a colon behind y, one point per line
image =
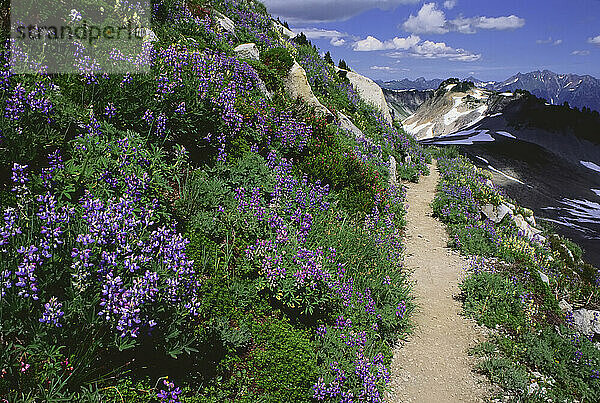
x: 171, y: 394
x: 181, y: 109
x: 52, y: 312
x: 401, y: 309
x: 110, y: 111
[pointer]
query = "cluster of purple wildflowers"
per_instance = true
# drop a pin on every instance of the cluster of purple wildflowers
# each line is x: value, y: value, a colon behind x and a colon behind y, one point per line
x: 249, y: 18
x: 119, y: 248
x: 52, y: 312
x: 170, y: 394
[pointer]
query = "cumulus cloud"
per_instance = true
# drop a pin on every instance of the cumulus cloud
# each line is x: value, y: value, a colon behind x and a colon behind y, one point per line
x: 336, y: 38
x: 372, y: 44
x: 337, y: 42
x: 580, y: 52
x: 413, y: 46
x: 327, y: 10
x: 595, y: 40
x: 549, y: 41
x: 439, y: 50
x: 450, y: 4
x: 431, y: 20
x: 428, y: 20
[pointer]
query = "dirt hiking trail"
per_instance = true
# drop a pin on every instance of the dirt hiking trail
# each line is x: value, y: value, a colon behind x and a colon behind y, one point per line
x: 433, y: 365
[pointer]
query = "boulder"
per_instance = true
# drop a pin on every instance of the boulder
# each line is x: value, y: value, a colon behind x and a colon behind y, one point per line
x: 283, y: 31
x: 529, y: 232
x: 263, y: 88
x: 564, y: 306
x: 544, y: 278
x: 370, y: 92
x: 297, y: 86
x: 347, y: 124
x: 225, y: 22
x: 496, y: 213
x: 393, y: 171
x: 247, y: 51
x: 587, y: 322
x: 149, y: 35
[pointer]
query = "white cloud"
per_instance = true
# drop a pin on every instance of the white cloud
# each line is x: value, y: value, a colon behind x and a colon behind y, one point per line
x: 428, y: 20
x: 450, y: 4
x: 549, y: 41
x: 372, y: 44
x: 431, y: 20
x: 595, y: 40
x: 336, y: 38
x: 327, y: 10
x: 337, y: 42
x: 500, y: 23
x: 388, y: 69
x: 439, y: 50
x: 580, y: 52
x: 412, y: 46
x: 381, y: 68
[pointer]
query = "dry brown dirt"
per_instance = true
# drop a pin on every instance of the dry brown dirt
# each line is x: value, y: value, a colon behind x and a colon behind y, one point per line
x: 433, y: 364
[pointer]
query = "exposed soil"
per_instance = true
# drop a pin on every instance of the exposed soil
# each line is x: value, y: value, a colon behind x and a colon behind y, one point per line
x: 433, y: 364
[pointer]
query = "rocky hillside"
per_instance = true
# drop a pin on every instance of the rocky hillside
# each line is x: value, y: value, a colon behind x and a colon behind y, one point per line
x: 454, y: 106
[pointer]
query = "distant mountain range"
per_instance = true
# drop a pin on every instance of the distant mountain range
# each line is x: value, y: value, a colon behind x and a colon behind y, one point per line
x: 406, y: 84
x: 579, y: 91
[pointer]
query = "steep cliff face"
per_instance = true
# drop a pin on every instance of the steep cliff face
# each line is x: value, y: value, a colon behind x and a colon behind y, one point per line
x: 403, y: 103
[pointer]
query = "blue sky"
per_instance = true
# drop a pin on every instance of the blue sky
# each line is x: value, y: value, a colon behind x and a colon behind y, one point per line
x: 491, y: 40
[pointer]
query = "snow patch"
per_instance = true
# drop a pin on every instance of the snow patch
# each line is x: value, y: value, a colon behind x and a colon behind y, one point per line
x: 495, y: 115
x: 597, y: 191
x: 478, y: 94
x: 414, y: 128
x: 480, y: 136
x: 505, y: 175
x: 507, y: 94
x: 506, y: 134
x: 590, y: 165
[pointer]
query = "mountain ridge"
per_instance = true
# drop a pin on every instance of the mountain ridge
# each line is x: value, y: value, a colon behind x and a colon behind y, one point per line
x: 579, y: 91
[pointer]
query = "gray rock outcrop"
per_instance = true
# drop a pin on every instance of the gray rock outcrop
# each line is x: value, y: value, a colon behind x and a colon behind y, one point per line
x: 247, y: 51
x: 393, y: 171
x: 496, y: 213
x: 225, y: 22
x: 529, y: 232
x: 370, y: 92
x: 587, y: 321
x: 283, y: 31
x: 297, y: 86
x: 347, y: 124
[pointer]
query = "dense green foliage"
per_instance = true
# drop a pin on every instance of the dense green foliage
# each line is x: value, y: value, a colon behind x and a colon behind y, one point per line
x: 182, y: 236
x: 535, y: 353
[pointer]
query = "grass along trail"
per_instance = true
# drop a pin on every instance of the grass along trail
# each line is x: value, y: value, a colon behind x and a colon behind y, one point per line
x: 433, y: 364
